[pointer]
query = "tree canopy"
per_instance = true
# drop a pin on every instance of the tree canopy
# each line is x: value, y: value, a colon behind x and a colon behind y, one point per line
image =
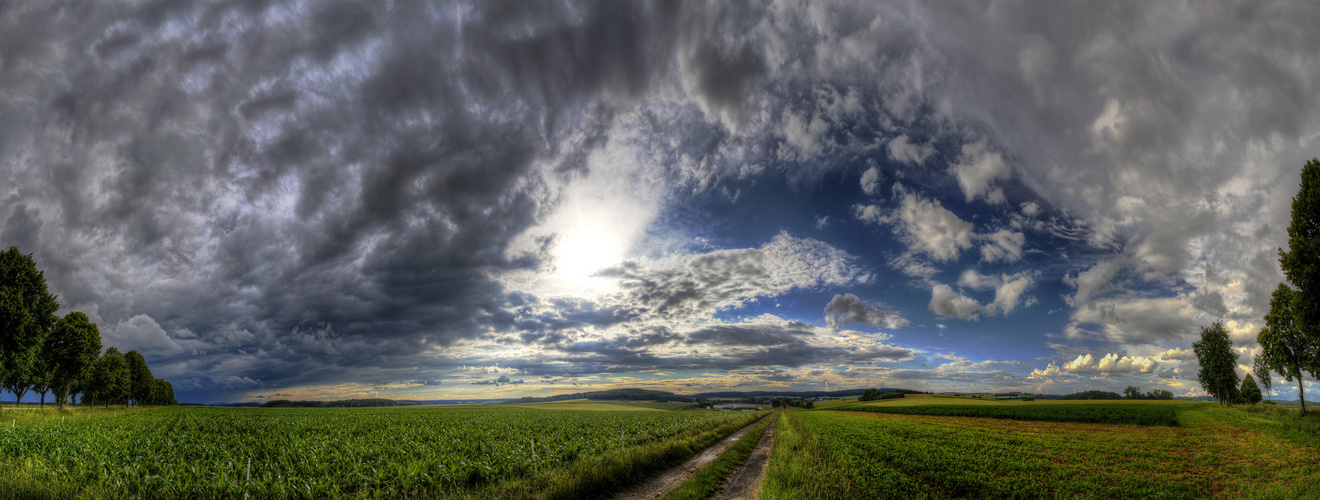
x: 1250, y: 391
x: 41, y: 352
x: 1218, y: 375
x: 1287, y: 347
x: 1262, y: 372
x: 140, y: 381
x: 1290, y: 341
x: 71, y: 349
x: 27, y: 313
x: 1301, y: 263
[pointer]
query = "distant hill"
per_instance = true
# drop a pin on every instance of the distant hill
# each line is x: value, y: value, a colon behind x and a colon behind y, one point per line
x: 343, y: 403
x: 650, y: 395
x: 796, y: 394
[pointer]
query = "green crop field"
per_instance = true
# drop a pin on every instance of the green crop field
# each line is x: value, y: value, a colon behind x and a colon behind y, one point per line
x: 355, y: 452
x: 1214, y: 452
x: 1087, y: 414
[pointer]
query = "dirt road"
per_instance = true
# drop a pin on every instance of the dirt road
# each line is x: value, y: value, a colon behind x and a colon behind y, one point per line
x: 657, y: 486
x: 745, y: 482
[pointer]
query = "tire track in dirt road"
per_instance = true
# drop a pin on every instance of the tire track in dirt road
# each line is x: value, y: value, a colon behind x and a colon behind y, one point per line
x: 745, y: 483
x: 656, y: 487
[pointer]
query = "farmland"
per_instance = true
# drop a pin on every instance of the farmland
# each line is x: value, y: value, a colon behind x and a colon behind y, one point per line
x: 1212, y: 452
x: 331, y: 452
x: 1077, y: 413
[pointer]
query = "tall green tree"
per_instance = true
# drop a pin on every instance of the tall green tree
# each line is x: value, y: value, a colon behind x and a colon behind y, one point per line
x: 110, y: 378
x: 27, y: 313
x: 1218, y: 375
x: 140, y: 381
x: 1287, y: 347
x: 1250, y: 391
x: 1300, y: 346
x: 70, y: 350
x: 1262, y: 372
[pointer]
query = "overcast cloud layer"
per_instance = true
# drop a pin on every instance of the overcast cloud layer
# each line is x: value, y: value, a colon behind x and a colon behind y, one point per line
x: 419, y: 200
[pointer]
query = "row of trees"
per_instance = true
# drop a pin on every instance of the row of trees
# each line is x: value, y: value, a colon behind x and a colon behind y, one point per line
x: 1218, y: 373
x: 1290, y: 340
x: 1132, y: 392
x: 43, y: 353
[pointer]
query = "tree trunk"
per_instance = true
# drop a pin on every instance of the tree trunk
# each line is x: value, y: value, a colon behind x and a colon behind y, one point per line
x: 1300, y: 396
x: 18, y: 397
x: 66, y: 391
x: 43, y: 400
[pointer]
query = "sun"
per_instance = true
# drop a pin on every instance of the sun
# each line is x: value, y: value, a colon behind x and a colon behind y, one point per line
x: 583, y: 250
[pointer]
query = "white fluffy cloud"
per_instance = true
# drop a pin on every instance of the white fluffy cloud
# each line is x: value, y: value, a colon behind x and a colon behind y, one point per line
x: 141, y: 333
x: 924, y: 225
x: 1111, y: 364
x: 945, y: 301
x: 903, y: 150
x: 977, y: 168
x: 871, y: 181
x: 698, y: 285
x: 977, y: 281
x: 1002, y: 245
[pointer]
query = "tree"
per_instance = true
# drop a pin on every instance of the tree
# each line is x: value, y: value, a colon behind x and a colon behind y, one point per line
x: 1250, y: 391
x: 41, y: 374
x: 1132, y: 392
x: 1218, y: 373
x: 870, y: 395
x: 140, y: 381
x: 1286, y: 346
x: 27, y: 313
x: 1296, y: 345
x: 1158, y: 394
x: 70, y: 351
x: 1262, y: 372
x: 110, y: 378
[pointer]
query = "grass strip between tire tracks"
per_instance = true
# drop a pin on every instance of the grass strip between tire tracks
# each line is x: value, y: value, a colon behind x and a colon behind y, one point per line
x: 708, y: 480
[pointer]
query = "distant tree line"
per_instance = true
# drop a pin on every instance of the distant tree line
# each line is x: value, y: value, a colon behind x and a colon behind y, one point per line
x: 794, y: 402
x: 43, y: 353
x: 874, y: 394
x: 1094, y: 395
x: 342, y: 403
x: 1132, y: 392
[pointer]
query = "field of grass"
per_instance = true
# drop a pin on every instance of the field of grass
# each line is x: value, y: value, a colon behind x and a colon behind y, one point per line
x: 1085, y: 414
x: 480, y: 452
x: 940, y: 399
x: 24, y: 417
x: 1215, y: 452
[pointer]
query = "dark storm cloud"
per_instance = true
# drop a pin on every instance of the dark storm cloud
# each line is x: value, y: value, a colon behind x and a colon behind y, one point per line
x: 269, y: 165
x: 279, y: 193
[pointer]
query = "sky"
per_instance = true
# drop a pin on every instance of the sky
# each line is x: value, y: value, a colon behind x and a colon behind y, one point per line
x: 448, y: 200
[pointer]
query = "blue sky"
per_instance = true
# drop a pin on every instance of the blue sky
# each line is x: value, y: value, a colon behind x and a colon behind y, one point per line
x: 444, y: 200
